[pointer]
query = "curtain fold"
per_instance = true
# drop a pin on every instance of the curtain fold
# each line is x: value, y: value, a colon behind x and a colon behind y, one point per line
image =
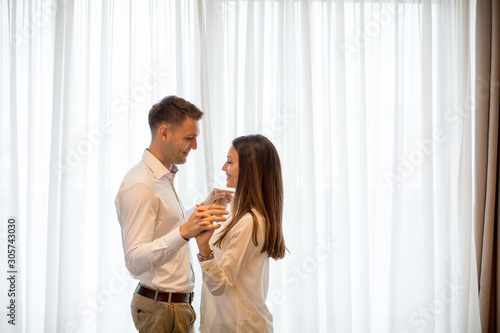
x: 487, y: 175
x: 60, y: 182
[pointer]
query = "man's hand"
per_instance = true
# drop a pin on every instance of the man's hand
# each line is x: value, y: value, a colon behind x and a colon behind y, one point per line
x: 219, y: 197
x: 202, y: 219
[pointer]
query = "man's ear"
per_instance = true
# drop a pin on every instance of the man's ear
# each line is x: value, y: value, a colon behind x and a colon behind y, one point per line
x: 163, y: 132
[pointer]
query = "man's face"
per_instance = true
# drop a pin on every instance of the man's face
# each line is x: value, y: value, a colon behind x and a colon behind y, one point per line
x: 180, y: 141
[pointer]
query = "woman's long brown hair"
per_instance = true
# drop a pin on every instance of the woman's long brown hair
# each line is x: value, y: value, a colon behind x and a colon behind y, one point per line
x: 260, y: 187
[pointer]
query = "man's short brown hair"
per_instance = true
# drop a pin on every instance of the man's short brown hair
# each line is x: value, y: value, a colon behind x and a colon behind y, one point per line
x: 172, y: 111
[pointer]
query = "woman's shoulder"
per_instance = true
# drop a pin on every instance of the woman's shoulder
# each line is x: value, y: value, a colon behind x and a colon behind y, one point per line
x: 248, y: 217
x: 246, y: 221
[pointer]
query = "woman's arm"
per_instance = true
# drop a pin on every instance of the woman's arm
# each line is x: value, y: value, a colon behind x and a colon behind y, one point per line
x: 239, y: 248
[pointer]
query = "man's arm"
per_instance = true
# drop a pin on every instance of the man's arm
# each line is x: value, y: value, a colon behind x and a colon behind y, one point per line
x: 137, y: 209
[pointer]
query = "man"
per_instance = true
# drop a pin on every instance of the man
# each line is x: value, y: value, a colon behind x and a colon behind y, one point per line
x: 155, y: 231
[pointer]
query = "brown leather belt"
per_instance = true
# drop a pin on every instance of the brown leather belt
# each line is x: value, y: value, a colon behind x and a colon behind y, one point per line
x: 163, y: 296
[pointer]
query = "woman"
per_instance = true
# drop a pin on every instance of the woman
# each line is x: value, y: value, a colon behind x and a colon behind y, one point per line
x: 235, y: 259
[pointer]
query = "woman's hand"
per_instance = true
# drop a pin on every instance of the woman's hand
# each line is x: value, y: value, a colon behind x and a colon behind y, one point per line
x: 219, y: 197
x: 202, y: 219
x: 202, y: 240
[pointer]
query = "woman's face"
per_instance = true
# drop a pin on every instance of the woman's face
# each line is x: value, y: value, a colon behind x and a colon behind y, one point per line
x: 231, y: 168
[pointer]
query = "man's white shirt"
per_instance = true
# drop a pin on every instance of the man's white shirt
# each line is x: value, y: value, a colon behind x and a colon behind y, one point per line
x: 150, y: 214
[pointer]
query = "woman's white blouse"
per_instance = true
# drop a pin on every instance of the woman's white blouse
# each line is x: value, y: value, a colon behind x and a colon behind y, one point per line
x: 233, y: 296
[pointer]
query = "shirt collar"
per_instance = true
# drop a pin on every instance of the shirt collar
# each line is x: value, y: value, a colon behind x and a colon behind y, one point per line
x: 157, y: 167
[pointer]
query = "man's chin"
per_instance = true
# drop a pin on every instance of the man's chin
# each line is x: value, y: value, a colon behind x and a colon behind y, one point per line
x: 181, y: 160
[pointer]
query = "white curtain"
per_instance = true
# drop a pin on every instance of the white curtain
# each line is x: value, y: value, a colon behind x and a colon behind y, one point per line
x: 369, y: 104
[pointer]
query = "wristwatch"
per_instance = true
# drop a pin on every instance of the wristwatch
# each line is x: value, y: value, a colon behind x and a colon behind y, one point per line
x: 202, y: 258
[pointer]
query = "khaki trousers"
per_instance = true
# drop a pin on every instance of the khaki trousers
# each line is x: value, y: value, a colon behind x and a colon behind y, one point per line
x: 152, y: 316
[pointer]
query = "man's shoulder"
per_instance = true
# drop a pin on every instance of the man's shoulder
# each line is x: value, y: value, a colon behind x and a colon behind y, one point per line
x: 138, y: 174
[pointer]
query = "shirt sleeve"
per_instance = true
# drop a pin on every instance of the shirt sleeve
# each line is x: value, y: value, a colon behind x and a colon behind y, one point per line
x: 239, y: 248
x: 137, y: 209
